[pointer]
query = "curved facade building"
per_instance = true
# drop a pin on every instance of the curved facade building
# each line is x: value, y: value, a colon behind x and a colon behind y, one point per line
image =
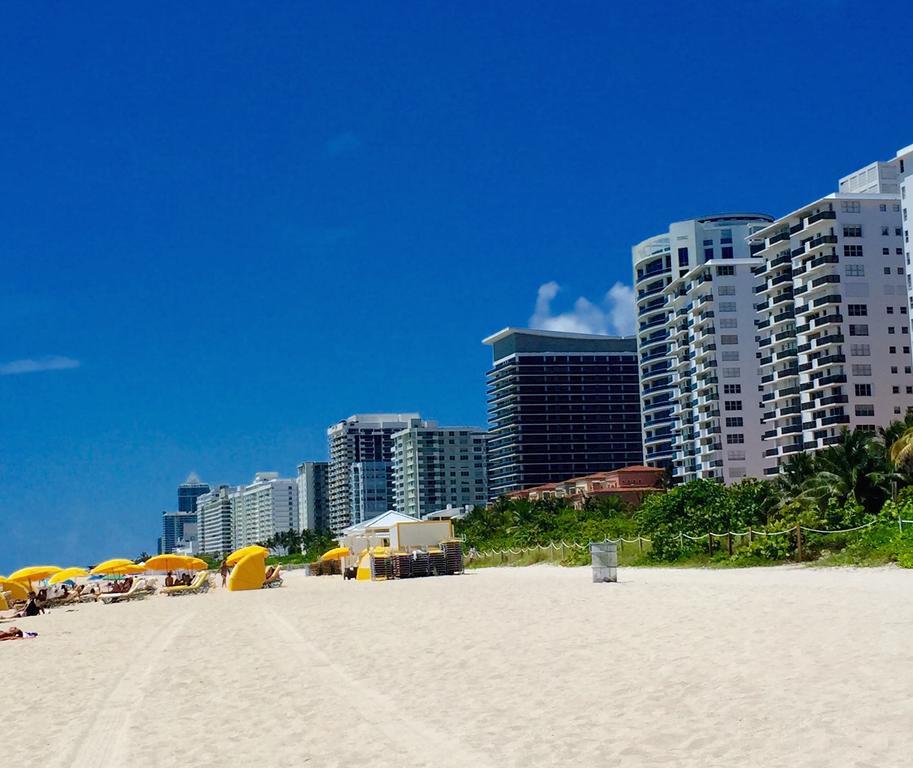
x: 694, y: 289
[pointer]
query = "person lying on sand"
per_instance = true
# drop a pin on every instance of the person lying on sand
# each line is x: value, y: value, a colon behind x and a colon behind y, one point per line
x: 14, y: 633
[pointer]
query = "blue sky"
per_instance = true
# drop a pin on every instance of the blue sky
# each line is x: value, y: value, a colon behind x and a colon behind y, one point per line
x: 224, y: 226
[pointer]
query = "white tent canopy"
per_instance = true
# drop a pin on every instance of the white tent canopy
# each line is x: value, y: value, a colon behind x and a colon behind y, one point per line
x: 383, y: 522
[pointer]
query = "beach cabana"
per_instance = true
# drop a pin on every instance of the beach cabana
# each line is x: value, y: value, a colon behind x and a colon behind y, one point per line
x: 17, y: 591
x: 249, y: 571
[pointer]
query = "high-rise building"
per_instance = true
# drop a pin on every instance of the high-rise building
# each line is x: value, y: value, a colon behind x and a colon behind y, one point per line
x: 269, y: 505
x: 189, y: 491
x: 365, y: 439
x: 313, y: 496
x: 833, y: 322
x: 435, y: 467
x: 215, y: 520
x: 179, y: 532
x: 695, y: 308
x: 560, y: 405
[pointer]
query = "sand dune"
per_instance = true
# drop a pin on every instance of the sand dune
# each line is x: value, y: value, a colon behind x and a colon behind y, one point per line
x: 509, y: 667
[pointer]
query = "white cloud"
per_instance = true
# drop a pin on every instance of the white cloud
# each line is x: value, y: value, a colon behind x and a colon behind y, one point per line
x: 614, y: 315
x: 36, y: 365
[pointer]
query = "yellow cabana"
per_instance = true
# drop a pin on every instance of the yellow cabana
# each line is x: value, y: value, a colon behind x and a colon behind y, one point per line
x: 336, y: 554
x: 67, y: 574
x: 17, y: 591
x: 235, y: 557
x: 170, y: 563
x: 34, y: 573
x: 249, y: 572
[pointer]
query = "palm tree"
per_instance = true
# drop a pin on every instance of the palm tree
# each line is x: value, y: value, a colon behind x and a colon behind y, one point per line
x: 898, y: 441
x: 855, y: 469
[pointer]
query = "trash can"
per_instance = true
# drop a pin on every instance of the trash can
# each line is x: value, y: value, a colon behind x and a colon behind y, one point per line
x: 604, y: 556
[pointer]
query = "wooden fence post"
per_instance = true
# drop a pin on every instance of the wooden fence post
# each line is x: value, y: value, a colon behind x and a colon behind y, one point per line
x: 710, y: 542
x: 750, y: 536
x: 729, y: 542
x: 640, y: 542
x: 799, y: 543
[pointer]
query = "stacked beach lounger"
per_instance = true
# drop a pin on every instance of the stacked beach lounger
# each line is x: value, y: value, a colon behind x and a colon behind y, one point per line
x: 421, y: 564
x: 453, y: 556
x: 438, y: 563
x: 402, y: 565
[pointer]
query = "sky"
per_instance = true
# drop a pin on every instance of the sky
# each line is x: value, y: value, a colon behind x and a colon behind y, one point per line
x: 225, y: 226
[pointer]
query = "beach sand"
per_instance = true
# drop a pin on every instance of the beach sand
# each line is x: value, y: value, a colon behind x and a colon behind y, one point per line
x: 502, y: 667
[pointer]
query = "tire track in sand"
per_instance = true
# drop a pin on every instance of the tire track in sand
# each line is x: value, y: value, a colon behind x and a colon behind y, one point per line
x: 403, y: 728
x: 101, y: 743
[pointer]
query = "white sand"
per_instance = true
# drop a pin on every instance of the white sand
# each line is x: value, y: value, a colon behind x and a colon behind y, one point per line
x: 509, y: 667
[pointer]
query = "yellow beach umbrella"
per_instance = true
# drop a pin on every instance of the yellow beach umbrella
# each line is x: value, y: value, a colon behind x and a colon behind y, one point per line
x: 335, y: 554
x: 103, y: 569
x: 34, y: 573
x: 238, y: 554
x: 17, y: 590
x: 169, y: 563
x: 197, y: 564
x: 67, y: 574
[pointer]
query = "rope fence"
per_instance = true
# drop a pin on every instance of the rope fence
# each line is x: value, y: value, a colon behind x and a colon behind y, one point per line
x: 797, y: 530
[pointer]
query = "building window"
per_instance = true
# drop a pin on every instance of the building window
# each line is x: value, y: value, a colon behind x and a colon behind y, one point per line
x: 708, y: 254
x: 731, y: 356
x: 732, y: 389
x: 862, y: 370
x: 852, y: 231
x: 728, y: 306
x: 859, y: 330
x: 729, y: 322
x: 885, y: 231
x: 732, y: 373
x: 734, y: 421
x: 683, y: 257
x: 729, y: 339
x: 857, y: 310
x: 890, y: 329
x: 863, y: 390
x: 853, y: 251
x: 727, y: 251
x: 736, y: 438
x: 726, y: 290
x: 850, y: 206
x: 860, y: 350
x: 893, y: 369
x: 732, y: 405
x: 855, y: 270
x: 865, y: 410
x: 727, y: 271
x: 890, y: 310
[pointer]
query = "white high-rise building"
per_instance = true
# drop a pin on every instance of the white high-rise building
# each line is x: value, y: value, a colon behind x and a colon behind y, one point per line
x: 435, y: 467
x: 833, y: 323
x: 360, y: 467
x: 215, y: 520
x: 267, y: 506
x: 695, y: 295
x: 904, y: 162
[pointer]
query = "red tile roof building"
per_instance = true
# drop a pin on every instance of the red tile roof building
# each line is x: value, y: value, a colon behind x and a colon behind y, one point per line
x: 629, y: 484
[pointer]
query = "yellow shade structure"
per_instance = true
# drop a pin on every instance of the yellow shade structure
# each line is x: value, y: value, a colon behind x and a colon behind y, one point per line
x: 17, y: 590
x: 170, y: 563
x: 34, y: 573
x: 249, y: 572
x: 239, y: 554
x: 67, y: 574
x: 102, y: 568
x: 335, y: 554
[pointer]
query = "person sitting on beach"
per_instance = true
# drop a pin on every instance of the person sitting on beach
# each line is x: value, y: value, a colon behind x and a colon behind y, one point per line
x: 169, y: 580
x: 186, y: 580
x: 32, y: 607
x: 127, y: 583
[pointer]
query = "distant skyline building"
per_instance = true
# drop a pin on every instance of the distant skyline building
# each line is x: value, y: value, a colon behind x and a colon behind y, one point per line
x: 267, y: 506
x: 179, y: 530
x: 189, y: 491
x: 313, y: 495
x: 696, y: 340
x: 365, y: 439
x: 215, y: 520
x: 435, y: 467
x: 560, y: 405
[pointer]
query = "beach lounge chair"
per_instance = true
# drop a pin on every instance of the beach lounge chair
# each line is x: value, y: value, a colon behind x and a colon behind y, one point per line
x: 199, y: 584
x: 273, y: 578
x: 138, y: 590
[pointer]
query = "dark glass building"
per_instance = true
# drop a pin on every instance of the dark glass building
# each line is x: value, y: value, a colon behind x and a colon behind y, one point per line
x: 188, y: 491
x: 560, y: 405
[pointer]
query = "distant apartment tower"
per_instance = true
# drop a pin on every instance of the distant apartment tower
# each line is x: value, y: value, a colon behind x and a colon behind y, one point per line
x: 560, y: 405
x: 435, y: 467
x: 313, y: 496
x: 269, y: 505
x: 215, y: 520
x: 359, y: 473
x: 179, y: 531
x: 188, y: 492
x: 833, y: 323
x: 695, y: 308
